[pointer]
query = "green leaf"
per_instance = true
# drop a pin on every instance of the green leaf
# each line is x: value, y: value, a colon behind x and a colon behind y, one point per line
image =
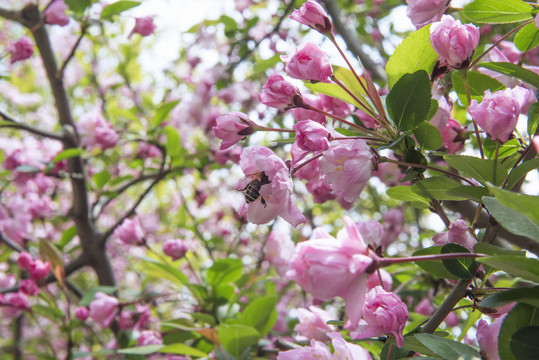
x: 237, y: 338
x: 483, y: 170
x: 434, y: 267
x: 533, y: 119
x: 173, y: 143
x: 527, y: 38
x: 162, y: 112
x: 51, y: 312
x: 67, y: 154
x: 335, y: 91
x: 78, y: 6
x: 224, y: 271
x: 464, y: 268
x: 405, y: 193
x: 161, y: 270
x: 261, y: 66
x: 67, y: 236
x: 408, y: 102
x: 260, y: 314
x: 433, y: 109
x: 437, y: 187
x: 520, y: 171
x: 525, y: 204
x: 513, y: 70
x: 141, y: 350
x: 489, y: 249
x: 526, y: 268
x: 414, y: 53
x: 506, y: 149
x: 89, y: 295
x: 182, y: 349
x: 497, y: 11
x: 524, y: 344
x: 117, y: 8
x: 520, y: 316
x: 428, y: 137
x: 474, y: 193
x: 528, y: 296
x: 477, y: 83
x: 346, y: 76
x: 348, y: 132
x: 101, y: 178
x: 447, y: 349
x: 512, y: 220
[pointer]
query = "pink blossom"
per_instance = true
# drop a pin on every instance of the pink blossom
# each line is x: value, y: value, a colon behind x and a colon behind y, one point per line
x: 424, y: 307
x: 143, y: 26
x: 537, y: 21
x: 327, y: 267
x: 393, y: 222
x: 175, y: 248
x: 21, y: 49
x: 300, y: 113
x: 371, y: 231
x: 498, y: 112
x: 279, y: 248
x: 347, y: 351
x: 130, y: 232
x: 342, y: 351
x: 321, y: 191
x: 335, y: 106
x: 347, y: 166
x: 13, y: 305
x: 29, y: 287
x: 82, y: 313
x: 149, y: 337
x: 535, y: 142
x: 7, y: 280
x: 452, y: 138
x: 312, y: 323
x: 367, y: 120
x: 55, y: 13
x: 454, y: 42
x: 276, y: 197
x: 103, y: 309
x: 96, y: 131
x: 487, y: 337
x: 40, y: 270
x: 440, y: 118
x: 310, y: 137
x: 126, y: 320
x: 451, y: 319
x: 233, y: 127
x: 309, y: 62
x: 317, y: 350
x: 146, y: 150
x: 279, y: 93
x: 384, y: 312
x: 374, y: 280
x: 424, y: 12
x: 458, y: 233
x: 25, y: 261
x: 313, y: 15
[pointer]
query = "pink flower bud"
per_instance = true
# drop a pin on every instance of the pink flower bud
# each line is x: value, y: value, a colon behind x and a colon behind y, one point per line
x: 279, y: 93
x: 313, y: 15
x: 13, y: 304
x: 143, y: 26
x: 423, y: 12
x: 371, y: 231
x: 300, y: 113
x: 312, y: 323
x: 487, y: 337
x: 393, y: 222
x: 458, y: 234
x: 452, y: 136
x: 55, y: 13
x: 40, y: 270
x: 440, y: 118
x: 424, y: 307
x: 384, y: 313
x: 499, y: 111
x: 130, y: 232
x: 233, y: 127
x: 25, y: 261
x: 147, y: 151
x: 21, y: 49
x: 175, y: 248
x: 374, y: 280
x: 82, y: 313
x: 309, y: 62
x: 149, y: 337
x: 311, y: 136
x: 96, y: 131
x: 103, y: 309
x: 454, y: 42
x: 29, y: 287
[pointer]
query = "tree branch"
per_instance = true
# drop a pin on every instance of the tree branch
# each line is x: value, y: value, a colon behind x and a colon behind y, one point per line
x: 11, y: 15
x: 18, y: 125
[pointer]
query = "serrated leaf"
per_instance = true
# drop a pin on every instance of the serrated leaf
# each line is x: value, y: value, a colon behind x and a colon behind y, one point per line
x: 525, y: 204
x: 477, y: 83
x: 522, y: 295
x: 527, y: 38
x: 464, y: 268
x: 346, y: 76
x: 483, y: 170
x: 408, y: 102
x: 513, y: 70
x: 117, y: 8
x: 474, y: 193
x: 414, y: 53
x: 437, y: 187
x: 504, y: 150
x: 261, y: 314
x: 497, y: 11
x: 520, y: 171
x: 335, y: 91
x: 447, y: 349
x: 428, y: 136
x: 526, y: 268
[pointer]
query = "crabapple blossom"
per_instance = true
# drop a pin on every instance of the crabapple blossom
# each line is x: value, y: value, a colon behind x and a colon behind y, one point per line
x: 312, y: 323
x: 40, y: 270
x: 143, y: 26
x: 344, y: 350
x: 96, y: 131
x: 130, y: 232
x: 309, y: 62
x: 21, y: 49
x: 313, y: 15
x: 374, y: 280
x: 498, y: 112
x: 424, y: 307
x: 384, y: 312
x: 371, y: 231
x: 454, y: 42
x: 175, y: 248
x: 25, y: 261
x: 335, y: 106
x: 321, y: 191
x: 279, y: 93
x: 535, y: 142
x: 82, y: 313
x: 146, y: 150
x: 29, y: 287
x: 424, y: 12
x: 393, y: 222
x: 103, y: 308
x: 317, y: 350
x: 440, y: 118
x: 458, y: 233
x: 487, y: 337
x: 451, y: 136
x: 55, y: 14
x: 149, y: 337
x: 300, y: 113
x: 279, y: 248
x: 327, y: 267
x: 7, y: 280
x: 312, y: 136
x: 537, y: 21
x: 276, y: 197
x: 233, y: 127
x: 13, y: 304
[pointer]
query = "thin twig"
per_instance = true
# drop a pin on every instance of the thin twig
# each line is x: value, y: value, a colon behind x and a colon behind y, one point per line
x: 18, y: 125
x: 72, y: 52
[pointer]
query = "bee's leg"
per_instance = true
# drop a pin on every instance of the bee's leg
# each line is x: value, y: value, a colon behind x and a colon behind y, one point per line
x: 263, y: 201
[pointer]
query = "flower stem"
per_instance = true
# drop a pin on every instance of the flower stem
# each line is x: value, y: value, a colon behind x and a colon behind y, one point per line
x: 305, y: 163
x: 464, y: 74
x: 338, y: 118
x: 349, y: 92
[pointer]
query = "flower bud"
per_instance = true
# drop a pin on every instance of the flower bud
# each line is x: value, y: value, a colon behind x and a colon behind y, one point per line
x: 21, y: 49
x: 29, y: 287
x: 233, y: 127
x: 175, y: 248
x: 82, y: 313
x: 452, y: 136
x: 13, y: 304
x: 130, y: 232
x: 40, y: 270
x: 309, y: 62
x: 424, y: 12
x: 454, y: 42
x: 25, y: 261
x: 313, y: 15
x: 279, y: 93
x: 143, y: 26
x: 55, y: 13
x: 149, y: 337
x: 312, y: 136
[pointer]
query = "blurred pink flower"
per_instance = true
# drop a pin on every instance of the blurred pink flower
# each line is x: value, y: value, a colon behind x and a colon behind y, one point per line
x: 279, y: 93
x: 40, y: 270
x: 440, y: 118
x: 451, y: 136
x: 146, y: 150
x: 13, y: 305
x: 149, y: 337
x: 103, y: 308
x: 143, y: 26
x: 454, y: 42
x: 313, y: 15
x: 175, y: 248
x: 8, y: 280
x: 335, y: 106
x: 424, y: 307
x: 55, y: 14
x: 232, y: 128
x: 25, y: 261
x: 347, y: 351
x: 21, y: 49
x: 317, y: 350
x: 424, y: 12
x: 278, y: 251
x: 82, y: 313
x: 309, y: 62
x: 96, y: 131
x: 458, y: 233
x: 312, y: 323
x: 130, y: 232
x: 487, y: 338
x: 371, y: 231
x: 374, y: 280
x: 29, y: 287
x: 393, y: 223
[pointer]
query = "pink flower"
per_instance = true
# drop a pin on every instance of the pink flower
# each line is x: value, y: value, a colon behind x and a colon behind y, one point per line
x: 342, y: 351
x: 439, y: 120
x: 317, y: 350
x: 393, y: 222
x: 55, y: 13
x: 308, y: 63
x: 371, y: 231
x: 384, y: 313
x: 313, y: 15
x: 149, y: 337
x: 29, y: 287
x: 82, y: 313
x: 454, y: 42
x: 130, y: 232
x: 321, y: 191
x: 279, y: 248
x: 347, y: 166
x: 499, y: 111
x: 312, y: 323
x: 146, y: 150
x: 233, y: 127
x: 40, y: 270
x: 487, y: 337
x: 21, y: 49
x: 424, y: 307
x: 300, y: 113
x: 458, y: 233
x: 13, y: 305
x: 103, y: 309
x: 335, y: 106
x: 175, y: 248
x: 537, y: 21
x: 25, y: 261
x: 143, y: 26
x: 327, y: 267
x: 276, y: 197
x: 279, y: 93
x: 374, y: 280
x: 7, y: 280
x: 424, y: 12
x: 452, y: 139
x: 312, y: 136
x: 96, y: 131
x: 535, y: 142
x: 347, y: 351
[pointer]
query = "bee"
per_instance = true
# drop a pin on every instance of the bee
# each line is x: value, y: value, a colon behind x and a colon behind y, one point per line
x: 252, y: 190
